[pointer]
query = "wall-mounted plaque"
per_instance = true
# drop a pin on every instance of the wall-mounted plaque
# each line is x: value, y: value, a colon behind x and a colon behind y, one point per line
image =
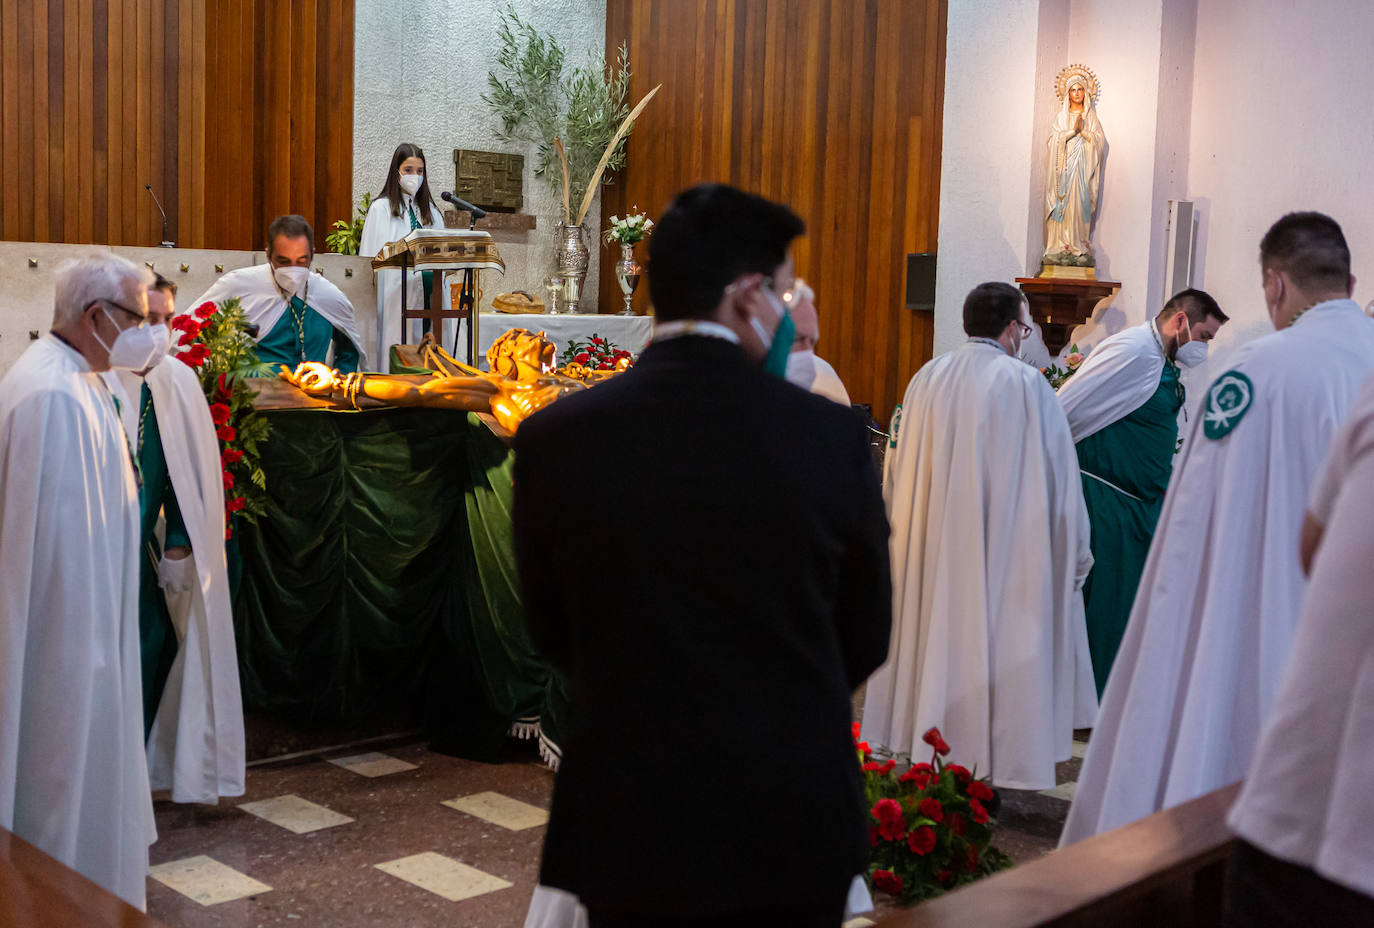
x: 490, y: 179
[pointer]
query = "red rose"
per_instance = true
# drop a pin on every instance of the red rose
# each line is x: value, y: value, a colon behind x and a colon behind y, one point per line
x: 957, y: 823
x: 944, y: 877
x: 583, y: 358
x: 231, y: 456
x: 961, y: 774
x: 228, y: 480
x: 921, y: 840
x: 922, y: 780
x: 932, y: 810
x: 887, y: 881
x: 971, y: 859
x: 226, y: 433
x: 206, y: 310
x: 235, y: 504
x: 219, y: 413
x: 935, y: 740
x: 980, y: 791
x: 980, y: 815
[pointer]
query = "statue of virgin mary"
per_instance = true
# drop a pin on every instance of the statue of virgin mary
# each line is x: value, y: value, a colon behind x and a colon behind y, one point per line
x: 1074, y: 156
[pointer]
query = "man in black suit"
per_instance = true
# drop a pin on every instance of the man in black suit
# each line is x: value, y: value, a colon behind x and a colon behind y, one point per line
x: 703, y: 552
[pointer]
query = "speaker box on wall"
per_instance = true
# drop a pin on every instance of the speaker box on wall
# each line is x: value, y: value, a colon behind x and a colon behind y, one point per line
x: 920, y: 282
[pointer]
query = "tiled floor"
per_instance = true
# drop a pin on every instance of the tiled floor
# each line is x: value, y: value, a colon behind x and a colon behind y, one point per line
x: 401, y: 836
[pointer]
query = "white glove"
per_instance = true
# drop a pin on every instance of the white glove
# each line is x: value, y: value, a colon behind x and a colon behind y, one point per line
x: 177, y: 576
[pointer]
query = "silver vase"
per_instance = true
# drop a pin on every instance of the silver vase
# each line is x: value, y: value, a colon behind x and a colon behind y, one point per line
x: 627, y: 275
x: 571, y: 260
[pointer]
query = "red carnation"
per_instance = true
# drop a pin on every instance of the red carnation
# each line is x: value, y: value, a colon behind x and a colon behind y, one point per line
x: 873, y: 835
x: 863, y: 746
x: 235, y: 504
x: 222, y: 386
x: 228, y: 480
x: 980, y: 815
x: 219, y: 413
x: 231, y: 456
x: 886, y: 768
x: 206, y: 310
x: 932, y: 810
x: 871, y: 766
x: 891, y: 826
x: 597, y: 341
x: 604, y: 366
x: 921, y: 840
x: 935, y: 740
x: 958, y: 824
x: 944, y: 877
x: 961, y: 774
x: 186, y: 338
x: 971, y: 860
x: 980, y: 791
x: 195, y: 355
x: 855, y: 729
x: 226, y: 433
x: 583, y: 358
x: 922, y: 780
x: 228, y: 532
x: 887, y: 881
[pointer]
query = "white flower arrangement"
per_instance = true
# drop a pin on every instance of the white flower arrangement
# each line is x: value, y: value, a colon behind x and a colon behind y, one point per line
x: 633, y: 228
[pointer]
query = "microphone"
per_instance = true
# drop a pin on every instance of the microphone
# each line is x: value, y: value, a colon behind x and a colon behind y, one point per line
x: 165, y: 242
x: 476, y: 211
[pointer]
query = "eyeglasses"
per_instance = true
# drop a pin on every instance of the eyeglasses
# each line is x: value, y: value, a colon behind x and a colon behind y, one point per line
x: 142, y: 320
x: 1024, y: 329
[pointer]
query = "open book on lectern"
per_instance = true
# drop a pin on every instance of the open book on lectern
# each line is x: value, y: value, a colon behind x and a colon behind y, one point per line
x: 441, y: 250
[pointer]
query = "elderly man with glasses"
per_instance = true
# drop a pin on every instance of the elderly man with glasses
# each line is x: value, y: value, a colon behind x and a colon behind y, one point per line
x: 73, y: 777
x: 989, y: 551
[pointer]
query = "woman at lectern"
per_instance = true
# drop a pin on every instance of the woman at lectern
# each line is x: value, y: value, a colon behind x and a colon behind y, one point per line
x: 405, y: 203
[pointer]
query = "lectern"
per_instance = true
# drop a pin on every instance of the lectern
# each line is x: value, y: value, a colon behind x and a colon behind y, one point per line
x: 443, y: 250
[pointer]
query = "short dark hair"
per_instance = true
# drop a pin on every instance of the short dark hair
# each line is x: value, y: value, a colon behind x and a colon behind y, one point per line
x: 1196, y: 304
x: 162, y: 283
x: 989, y: 307
x: 291, y: 226
x: 1310, y: 248
x: 708, y: 237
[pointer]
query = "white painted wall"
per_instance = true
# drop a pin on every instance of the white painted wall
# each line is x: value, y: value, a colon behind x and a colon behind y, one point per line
x: 431, y: 95
x: 990, y: 66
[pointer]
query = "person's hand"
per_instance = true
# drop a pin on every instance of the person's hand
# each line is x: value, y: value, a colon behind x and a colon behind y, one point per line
x: 1078, y: 126
x: 176, y: 572
x: 315, y: 378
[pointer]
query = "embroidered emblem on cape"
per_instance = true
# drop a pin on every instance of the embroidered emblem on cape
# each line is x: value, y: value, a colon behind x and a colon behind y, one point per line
x: 1228, y: 400
x: 896, y: 424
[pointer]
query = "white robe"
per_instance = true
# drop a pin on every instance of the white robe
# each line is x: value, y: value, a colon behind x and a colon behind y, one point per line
x: 1306, y: 797
x: 813, y: 373
x: 989, y: 549
x: 380, y: 228
x: 1212, y: 623
x: 73, y: 778
x: 196, y: 746
x: 263, y: 303
x: 1119, y: 377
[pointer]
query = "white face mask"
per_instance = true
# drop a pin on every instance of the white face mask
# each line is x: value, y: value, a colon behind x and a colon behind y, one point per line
x: 410, y: 183
x: 162, y: 343
x: 133, y: 349
x: 291, y: 279
x: 1191, y: 354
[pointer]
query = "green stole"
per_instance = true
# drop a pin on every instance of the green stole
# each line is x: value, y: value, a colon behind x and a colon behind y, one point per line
x: 157, y: 639
x: 1126, y: 468
x: 303, y: 334
x: 426, y: 277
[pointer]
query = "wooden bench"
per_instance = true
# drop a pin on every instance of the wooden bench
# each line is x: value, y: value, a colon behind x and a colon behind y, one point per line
x: 36, y: 891
x: 1166, y: 870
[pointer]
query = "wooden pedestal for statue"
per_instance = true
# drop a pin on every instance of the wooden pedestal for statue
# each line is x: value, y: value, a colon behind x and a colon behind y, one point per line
x: 1057, y: 304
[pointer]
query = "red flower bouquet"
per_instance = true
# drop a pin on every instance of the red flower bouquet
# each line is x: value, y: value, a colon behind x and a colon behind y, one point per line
x: 598, y: 354
x: 929, y: 824
x: 217, y: 347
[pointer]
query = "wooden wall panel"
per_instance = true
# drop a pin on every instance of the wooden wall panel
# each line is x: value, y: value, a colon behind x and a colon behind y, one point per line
x: 831, y: 106
x: 233, y: 110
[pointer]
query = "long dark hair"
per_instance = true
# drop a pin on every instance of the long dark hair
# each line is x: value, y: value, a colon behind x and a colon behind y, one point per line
x: 391, y: 189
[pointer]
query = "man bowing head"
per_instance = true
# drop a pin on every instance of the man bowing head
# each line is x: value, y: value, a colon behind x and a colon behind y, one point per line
x: 1219, y: 597
x: 989, y: 547
x: 298, y: 313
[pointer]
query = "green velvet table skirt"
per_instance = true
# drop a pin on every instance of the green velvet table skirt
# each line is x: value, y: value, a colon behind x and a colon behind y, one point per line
x: 382, y: 580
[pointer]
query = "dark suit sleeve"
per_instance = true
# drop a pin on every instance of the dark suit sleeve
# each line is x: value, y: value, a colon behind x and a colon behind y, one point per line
x: 533, y: 512
x: 863, y: 611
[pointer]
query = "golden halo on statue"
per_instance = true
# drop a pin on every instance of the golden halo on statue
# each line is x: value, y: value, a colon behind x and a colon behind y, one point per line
x: 1069, y: 72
